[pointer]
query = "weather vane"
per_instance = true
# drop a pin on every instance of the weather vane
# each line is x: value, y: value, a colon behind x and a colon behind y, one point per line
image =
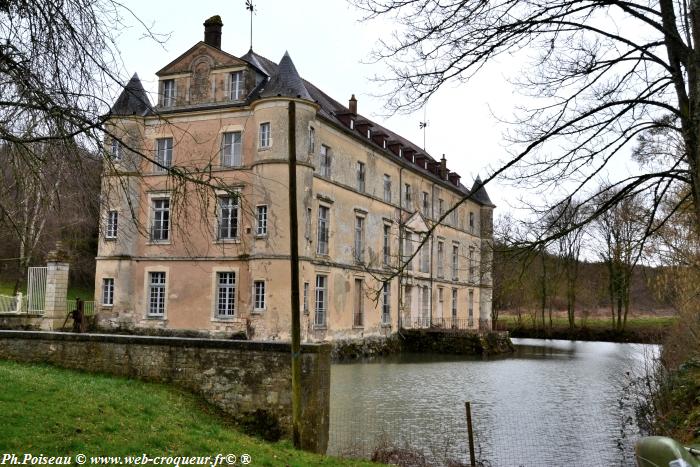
x: 249, y: 6
x: 423, y: 125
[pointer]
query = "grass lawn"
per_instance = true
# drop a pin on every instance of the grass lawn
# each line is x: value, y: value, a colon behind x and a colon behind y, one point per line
x: 86, y: 293
x: 52, y: 411
x: 636, y: 322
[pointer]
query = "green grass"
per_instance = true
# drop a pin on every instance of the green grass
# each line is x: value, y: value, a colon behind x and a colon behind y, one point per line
x: 633, y: 323
x: 61, y: 412
x: 84, y: 292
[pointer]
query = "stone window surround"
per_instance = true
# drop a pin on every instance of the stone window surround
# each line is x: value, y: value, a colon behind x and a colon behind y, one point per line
x: 146, y: 289
x: 215, y: 289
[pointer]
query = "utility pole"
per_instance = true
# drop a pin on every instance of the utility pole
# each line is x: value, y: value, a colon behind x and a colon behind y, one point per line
x: 294, y: 264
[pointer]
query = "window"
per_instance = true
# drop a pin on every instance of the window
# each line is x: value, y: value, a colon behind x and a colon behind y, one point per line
x: 325, y: 161
x: 441, y: 301
x: 407, y: 195
x: 261, y: 220
x: 454, y: 306
x: 265, y: 141
x: 472, y: 265
x: 386, y: 304
x: 358, y: 315
x: 455, y: 217
x: 470, y: 311
x: 455, y: 262
x: 107, y: 292
x: 425, y: 256
x: 164, y: 154
x: 369, y: 133
x: 384, y: 143
x: 305, y: 304
x: 321, y: 299
x: 359, y: 239
x: 228, y: 217
x: 361, y: 176
x: 116, y: 152
x: 387, y: 188
x: 231, y: 149
x: 112, y: 224
x: 156, y: 293
x: 160, y: 227
x: 441, y: 206
x: 323, y: 233
x: 312, y: 140
x: 425, y: 306
x: 225, y: 294
x: 441, y: 259
x: 258, y: 295
x: 408, y: 251
x: 168, y: 93
x: 425, y: 198
x: 407, y: 298
x: 352, y: 123
x: 237, y: 85
x: 307, y: 224
x: 386, y: 245
x: 471, y: 222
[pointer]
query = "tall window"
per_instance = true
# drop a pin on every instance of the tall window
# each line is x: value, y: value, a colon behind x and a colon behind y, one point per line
x: 359, y: 239
x: 261, y: 220
x: 425, y: 199
x: 305, y: 304
x: 386, y: 245
x: 116, y: 152
x: 325, y: 161
x: 237, y: 85
x: 358, y: 315
x: 112, y: 224
x: 225, y: 294
x: 258, y: 295
x: 168, y: 93
x: 454, y: 305
x: 386, y: 304
x: 441, y: 207
x: 156, y: 293
x: 455, y: 217
x: 407, y: 298
x: 441, y: 301
x: 425, y: 257
x: 425, y: 306
x: 307, y: 224
x: 471, y: 222
x: 231, y: 149
x: 265, y: 135
x: 407, y: 195
x: 472, y: 265
x: 360, y: 176
x: 408, y: 251
x: 470, y: 310
x: 229, y: 211
x: 387, y: 188
x: 441, y: 259
x: 455, y: 262
x: 108, y: 291
x: 323, y: 233
x: 321, y: 300
x: 164, y: 154
x: 312, y: 140
x: 160, y: 226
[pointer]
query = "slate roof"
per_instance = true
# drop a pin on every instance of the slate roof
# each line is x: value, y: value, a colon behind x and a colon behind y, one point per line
x: 286, y: 81
x: 481, y: 196
x: 133, y: 99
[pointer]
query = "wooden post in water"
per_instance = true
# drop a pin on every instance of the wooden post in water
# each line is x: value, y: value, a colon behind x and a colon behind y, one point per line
x: 470, y: 431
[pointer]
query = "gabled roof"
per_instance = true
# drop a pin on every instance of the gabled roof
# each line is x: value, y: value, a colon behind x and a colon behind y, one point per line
x: 481, y: 196
x: 285, y: 81
x: 133, y: 99
x: 184, y: 61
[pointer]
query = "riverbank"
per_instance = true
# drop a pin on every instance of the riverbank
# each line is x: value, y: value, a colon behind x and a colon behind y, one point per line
x: 642, y: 330
x: 53, y: 411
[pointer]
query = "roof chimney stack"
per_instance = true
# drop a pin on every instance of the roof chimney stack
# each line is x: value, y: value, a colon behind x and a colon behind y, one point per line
x: 443, y: 168
x: 212, y: 31
x: 353, y: 104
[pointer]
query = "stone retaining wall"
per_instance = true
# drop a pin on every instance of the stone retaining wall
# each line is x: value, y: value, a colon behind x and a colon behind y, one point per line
x: 460, y: 343
x: 248, y: 380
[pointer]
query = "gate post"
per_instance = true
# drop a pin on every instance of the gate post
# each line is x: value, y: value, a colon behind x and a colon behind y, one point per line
x: 56, y: 307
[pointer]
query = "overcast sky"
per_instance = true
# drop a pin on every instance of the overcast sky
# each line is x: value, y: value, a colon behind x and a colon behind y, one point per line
x: 330, y: 47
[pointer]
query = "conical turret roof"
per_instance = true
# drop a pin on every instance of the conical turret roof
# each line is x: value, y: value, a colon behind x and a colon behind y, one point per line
x: 133, y: 100
x: 286, y: 82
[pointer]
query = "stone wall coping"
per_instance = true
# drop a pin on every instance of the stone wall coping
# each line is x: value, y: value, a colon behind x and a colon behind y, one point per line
x: 263, y: 346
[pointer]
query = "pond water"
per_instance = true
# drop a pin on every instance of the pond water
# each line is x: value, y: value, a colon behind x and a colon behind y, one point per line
x: 552, y: 403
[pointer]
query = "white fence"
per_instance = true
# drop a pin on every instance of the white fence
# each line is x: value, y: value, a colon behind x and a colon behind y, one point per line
x: 88, y: 307
x: 36, y: 290
x: 11, y: 304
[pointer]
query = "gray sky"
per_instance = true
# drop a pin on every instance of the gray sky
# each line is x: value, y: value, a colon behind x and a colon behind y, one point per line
x: 328, y: 42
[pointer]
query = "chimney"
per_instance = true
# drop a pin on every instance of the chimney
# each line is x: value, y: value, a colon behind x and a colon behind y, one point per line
x: 212, y: 31
x: 443, y: 168
x: 353, y: 105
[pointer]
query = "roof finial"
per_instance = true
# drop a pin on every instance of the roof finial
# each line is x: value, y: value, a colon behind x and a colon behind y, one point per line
x: 249, y: 6
x: 424, y: 124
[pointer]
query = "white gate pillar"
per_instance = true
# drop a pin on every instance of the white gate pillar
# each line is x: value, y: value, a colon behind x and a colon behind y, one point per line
x: 56, y: 308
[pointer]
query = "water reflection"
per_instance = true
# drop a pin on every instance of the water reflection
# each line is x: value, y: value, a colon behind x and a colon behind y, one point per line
x: 551, y: 403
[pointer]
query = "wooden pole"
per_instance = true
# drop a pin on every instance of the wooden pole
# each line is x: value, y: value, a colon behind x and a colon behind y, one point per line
x: 294, y: 264
x: 470, y: 431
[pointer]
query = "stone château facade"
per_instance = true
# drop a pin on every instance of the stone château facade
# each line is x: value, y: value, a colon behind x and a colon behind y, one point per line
x: 175, y: 256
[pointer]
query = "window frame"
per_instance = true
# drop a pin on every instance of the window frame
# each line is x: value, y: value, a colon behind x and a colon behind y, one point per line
x: 169, y: 93
x: 386, y: 245
x: 264, y: 136
x: 112, y: 224
x: 236, y: 149
x: 359, y: 239
x: 358, y: 309
x: 162, y: 296
x: 321, y: 298
x: 232, y: 301
x: 325, y: 162
x: 164, y: 155
x: 165, y: 221
x: 387, y: 188
x: 455, y: 262
x: 234, y: 211
x: 323, y: 231
x: 408, y: 195
x: 261, y: 222
x: 361, y: 176
x: 311, y: 140
x: 386, y: 304
x: 425, y: 203
x: 257, y: 308
x: 237, y: 93
x: 107, y: 292
x: 440, y: 259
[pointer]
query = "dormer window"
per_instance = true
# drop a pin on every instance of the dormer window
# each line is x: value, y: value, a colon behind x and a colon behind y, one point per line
x: 352, y: 123
x: 384, y: 144
x: 237, y: 84
x: 369, y: 133
x: 168, y: 93
x: 400, y: 152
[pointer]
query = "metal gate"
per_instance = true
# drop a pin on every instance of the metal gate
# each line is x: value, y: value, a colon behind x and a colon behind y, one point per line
x: 36, y: 290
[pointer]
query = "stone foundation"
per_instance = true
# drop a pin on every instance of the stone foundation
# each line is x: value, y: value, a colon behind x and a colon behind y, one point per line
x: 250, y: 381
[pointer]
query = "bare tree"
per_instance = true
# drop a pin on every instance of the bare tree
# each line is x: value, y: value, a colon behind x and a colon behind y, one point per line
x: 600, y: 85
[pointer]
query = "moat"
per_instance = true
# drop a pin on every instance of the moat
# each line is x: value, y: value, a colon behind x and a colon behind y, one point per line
x: 550, y: 403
